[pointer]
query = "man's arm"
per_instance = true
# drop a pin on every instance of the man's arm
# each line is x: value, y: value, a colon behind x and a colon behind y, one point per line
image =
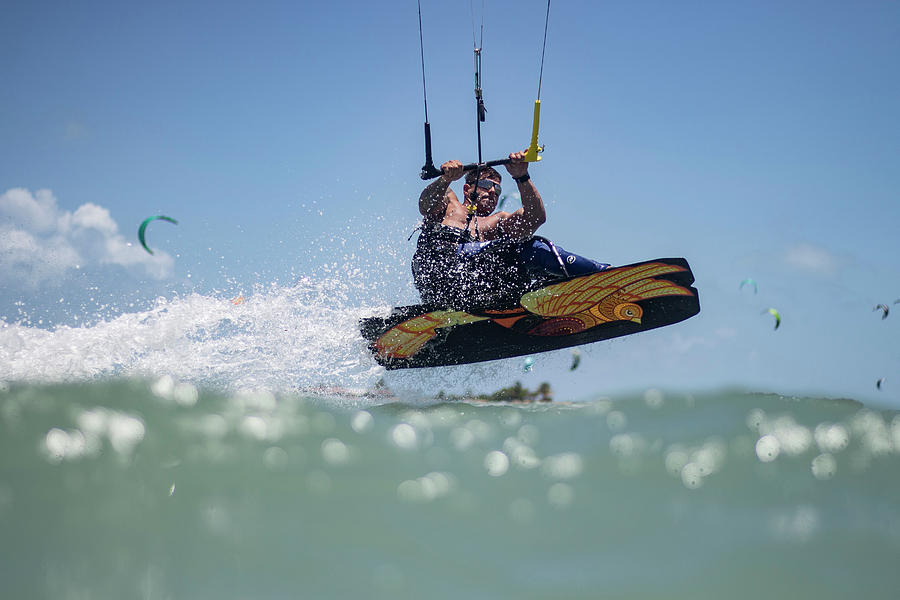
x: 525, y: 221
x: 434, y: 198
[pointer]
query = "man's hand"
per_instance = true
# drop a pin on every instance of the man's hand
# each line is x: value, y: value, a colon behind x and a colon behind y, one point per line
x: 518, y: 167
x: 453, y: 170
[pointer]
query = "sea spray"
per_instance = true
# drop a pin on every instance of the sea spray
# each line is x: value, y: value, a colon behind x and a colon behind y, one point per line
x: 278, y: 337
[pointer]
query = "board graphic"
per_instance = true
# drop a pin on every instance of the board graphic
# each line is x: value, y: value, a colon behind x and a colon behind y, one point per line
x: 579, y: 310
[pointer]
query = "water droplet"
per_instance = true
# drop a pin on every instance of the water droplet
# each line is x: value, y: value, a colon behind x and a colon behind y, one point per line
x: 676, y: 458
x: 755, y: 419
x: 56, y: 444
x: 529, y: 435
x: 404, y: 436
x: 496, y: 463
x: 362, y: 421
x: 824, y: 466
x: 653, y: 398
x: 511, y: 418
x: 616, y: 420
x: 185, y: 394
x: 163, y: 387
x: 567, y: 465
x: 831, y: 437
x: 125, y: 432
x: 335, y: 452
x: 768, y: 448
x: 461, y: 438
x: 254, y: 427
x: 692, y: 476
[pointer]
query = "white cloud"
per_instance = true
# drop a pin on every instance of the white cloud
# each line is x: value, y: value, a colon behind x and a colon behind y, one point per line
x: 815, y: 259
x: 91, y: 216
x: 39, y: 243
x: 36, y: 213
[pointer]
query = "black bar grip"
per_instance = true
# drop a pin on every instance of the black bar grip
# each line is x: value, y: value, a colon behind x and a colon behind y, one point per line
x: 435, y: 172
x: 428, y: 160
x: 429, y: 171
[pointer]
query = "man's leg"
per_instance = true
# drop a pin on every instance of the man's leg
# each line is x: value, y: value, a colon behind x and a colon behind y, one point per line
x: 543, y: 257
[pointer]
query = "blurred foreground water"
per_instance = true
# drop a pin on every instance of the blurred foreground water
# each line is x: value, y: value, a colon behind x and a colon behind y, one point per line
x: 151, y: 488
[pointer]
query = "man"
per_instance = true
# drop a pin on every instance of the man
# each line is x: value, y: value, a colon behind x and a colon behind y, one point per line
x: 468, y: 255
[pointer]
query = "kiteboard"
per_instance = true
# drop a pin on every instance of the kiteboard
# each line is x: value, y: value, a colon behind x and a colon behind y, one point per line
x: 566, y: 312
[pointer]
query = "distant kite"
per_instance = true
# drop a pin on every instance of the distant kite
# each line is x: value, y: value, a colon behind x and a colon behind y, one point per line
x: 748, y: 281
x: 884, y: 309
x: 879, y: 382
x: 576, y: 359
x: 143, y: 228
x: 775, y: 314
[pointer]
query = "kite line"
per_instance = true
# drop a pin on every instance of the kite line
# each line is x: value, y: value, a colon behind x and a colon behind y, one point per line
x: 429, y: 171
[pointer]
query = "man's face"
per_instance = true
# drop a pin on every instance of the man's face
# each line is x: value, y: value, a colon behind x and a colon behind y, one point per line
x: 487, y: 194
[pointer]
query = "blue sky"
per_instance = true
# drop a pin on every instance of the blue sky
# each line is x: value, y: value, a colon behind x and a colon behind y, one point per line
x: 755, y: 139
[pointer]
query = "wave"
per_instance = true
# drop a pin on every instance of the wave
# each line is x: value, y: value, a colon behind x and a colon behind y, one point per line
x: 279, y: 337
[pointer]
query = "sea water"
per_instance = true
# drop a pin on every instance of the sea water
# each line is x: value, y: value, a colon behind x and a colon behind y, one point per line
x: 214, y: 448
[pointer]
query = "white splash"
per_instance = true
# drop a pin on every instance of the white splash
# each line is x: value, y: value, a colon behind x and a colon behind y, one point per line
x: 280, y: 338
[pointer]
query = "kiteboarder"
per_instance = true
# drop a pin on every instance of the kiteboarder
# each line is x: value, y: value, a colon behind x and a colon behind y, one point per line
x: 468, y: 255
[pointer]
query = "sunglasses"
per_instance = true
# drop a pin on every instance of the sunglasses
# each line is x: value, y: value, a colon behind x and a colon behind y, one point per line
x: 487, y: 184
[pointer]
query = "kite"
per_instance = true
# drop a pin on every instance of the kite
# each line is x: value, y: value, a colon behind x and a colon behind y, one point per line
x: 748, y: 281
x: 885, y: 310
x: 576, y: 359
x: 143, y: 228
x: 775, y: 314
x: 527, y: 365
x: 878, y: 383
